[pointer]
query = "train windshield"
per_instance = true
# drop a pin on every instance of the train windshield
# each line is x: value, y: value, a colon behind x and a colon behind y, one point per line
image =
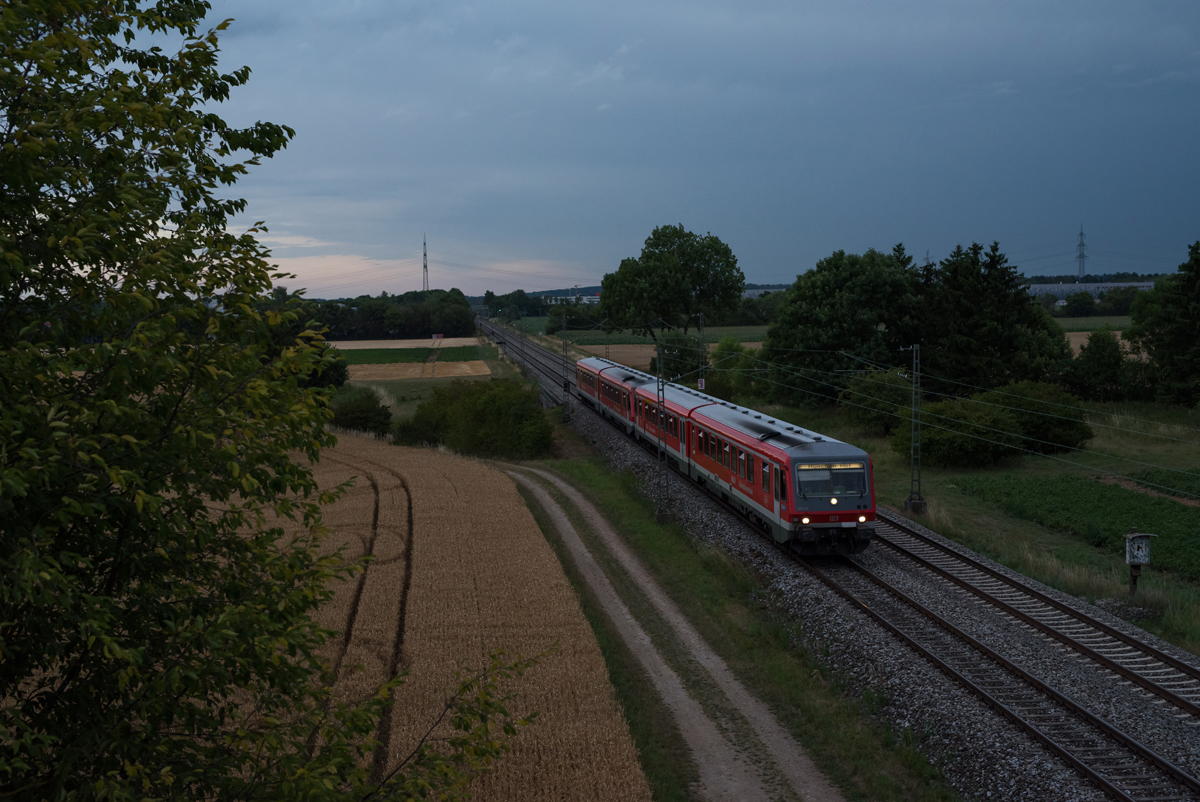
x: 831, y: 479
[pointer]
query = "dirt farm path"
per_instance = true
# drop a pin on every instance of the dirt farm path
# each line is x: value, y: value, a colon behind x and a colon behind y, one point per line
x: 727, y: 772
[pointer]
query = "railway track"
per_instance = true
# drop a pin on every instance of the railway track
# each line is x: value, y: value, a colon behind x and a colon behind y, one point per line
x: 1108, y: 757
x: 547, y: 365
x: 1111, y: 759
x: 1155, y: 671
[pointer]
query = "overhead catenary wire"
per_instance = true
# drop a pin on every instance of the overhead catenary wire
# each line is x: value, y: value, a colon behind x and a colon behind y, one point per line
x: 926, y: 413
x: 1015, y: 447
x: 926, y: 375
x: 1014, y: 434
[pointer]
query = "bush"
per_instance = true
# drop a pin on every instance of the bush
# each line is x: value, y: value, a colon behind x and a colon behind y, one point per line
x: 958, y: 433
x: 735, y: 370
x: 682, y: 356
x: 496, y: 418
x: 1049, y: 419
x: 359, y: 409
x: 881, y: 399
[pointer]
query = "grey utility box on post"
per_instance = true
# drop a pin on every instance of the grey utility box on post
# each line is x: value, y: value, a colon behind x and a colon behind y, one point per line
x: 1137, y: 554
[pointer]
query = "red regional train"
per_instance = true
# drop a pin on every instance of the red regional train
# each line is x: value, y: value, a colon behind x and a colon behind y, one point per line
x: 811, y: 492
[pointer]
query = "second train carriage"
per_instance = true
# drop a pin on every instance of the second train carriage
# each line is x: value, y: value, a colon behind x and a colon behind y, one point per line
x: 812, y: 492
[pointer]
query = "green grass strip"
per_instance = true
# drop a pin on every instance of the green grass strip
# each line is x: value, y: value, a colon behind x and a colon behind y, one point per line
x: 1117, y: 322
x: 662, y: 752
x: 730, y: 608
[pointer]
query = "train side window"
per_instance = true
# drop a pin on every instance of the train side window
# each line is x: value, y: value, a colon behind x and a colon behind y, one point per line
x: 766, y: 476
x: 741, y: 468
x: 725, y: 455
x: 750, y: 467
x: 777, y: 482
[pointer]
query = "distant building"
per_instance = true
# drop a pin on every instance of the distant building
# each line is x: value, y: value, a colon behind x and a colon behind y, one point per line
x: 1061, y: 291
x: 757, y: 291
x: 572, y: 299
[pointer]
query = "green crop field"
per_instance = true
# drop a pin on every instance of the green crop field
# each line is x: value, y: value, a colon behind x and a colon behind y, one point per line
x: 1118, y: 323
x: 1099, y: 513
x: 384, y: 356
x: 397, y: 356
x: 1058, y: 522
x: 467, y: 353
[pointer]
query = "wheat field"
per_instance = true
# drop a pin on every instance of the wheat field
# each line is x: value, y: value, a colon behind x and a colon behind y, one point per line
x: 460, y: 570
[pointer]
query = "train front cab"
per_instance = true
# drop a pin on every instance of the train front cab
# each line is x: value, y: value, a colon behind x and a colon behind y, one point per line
x: 833, y: 504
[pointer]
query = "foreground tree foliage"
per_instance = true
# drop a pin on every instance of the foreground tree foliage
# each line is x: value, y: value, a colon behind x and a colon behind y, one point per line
x: 155, y: 630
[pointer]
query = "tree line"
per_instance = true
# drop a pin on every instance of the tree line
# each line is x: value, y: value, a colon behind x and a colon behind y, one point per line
x: 844, y: 332
x: 411, y: 315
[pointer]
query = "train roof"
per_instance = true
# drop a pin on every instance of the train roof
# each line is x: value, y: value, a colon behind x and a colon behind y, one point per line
x: 616, y: 370
x: 795, y: 440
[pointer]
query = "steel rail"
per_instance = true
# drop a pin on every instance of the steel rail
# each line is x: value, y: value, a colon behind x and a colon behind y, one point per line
x: 1049, y: 629
x: 995, y: 704
x: 536, y: 356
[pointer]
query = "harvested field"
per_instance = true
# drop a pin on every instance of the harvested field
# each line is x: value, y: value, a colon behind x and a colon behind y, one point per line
x: 420, y: 370
x: 461, y: 570
x: 445, y: 342
x: 1078, y: 339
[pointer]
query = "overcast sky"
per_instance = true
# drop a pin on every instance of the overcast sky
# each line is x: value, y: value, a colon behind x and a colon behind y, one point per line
x: 538, y: 143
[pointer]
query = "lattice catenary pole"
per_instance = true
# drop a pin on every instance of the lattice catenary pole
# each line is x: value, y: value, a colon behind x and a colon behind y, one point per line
x: 662, y: 513
x: 566, y: 379
x: 915, y: 501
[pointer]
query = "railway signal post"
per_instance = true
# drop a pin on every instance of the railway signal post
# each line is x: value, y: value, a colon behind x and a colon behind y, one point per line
x: 1137, y: 554
x: 566, y: 377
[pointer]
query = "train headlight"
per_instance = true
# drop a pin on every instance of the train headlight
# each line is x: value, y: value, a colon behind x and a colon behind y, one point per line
x: 833, y: 501
x: 804, y: 521
x: 862, y: 519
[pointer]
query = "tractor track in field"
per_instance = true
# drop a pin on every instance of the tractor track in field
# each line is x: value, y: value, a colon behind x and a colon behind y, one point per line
x: 395, y: 658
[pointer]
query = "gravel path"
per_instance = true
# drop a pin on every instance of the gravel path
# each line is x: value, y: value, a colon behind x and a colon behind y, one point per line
x: 725, y: 774
x: 981, y: 754
x: 789, y: 757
